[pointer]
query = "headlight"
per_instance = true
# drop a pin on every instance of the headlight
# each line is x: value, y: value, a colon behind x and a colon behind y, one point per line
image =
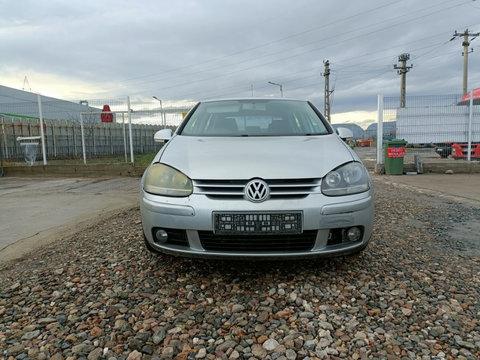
x: 164, y: 180
x: 351, y: 178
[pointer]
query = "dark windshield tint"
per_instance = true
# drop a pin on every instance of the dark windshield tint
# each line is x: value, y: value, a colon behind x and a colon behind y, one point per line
x: 254, y: 118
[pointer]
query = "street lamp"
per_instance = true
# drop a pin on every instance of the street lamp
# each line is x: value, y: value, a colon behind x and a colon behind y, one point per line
x: 281, y: 87
x: 161, y: 111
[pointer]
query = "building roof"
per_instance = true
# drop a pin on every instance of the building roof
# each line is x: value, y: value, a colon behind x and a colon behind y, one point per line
x: 14, y: 102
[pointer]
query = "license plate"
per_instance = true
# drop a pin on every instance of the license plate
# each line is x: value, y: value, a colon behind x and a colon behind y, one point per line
x: 258, y: 223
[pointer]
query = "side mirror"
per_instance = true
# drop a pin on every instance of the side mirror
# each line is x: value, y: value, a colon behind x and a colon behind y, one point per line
x: 162, y: 135
x: 344, y: 133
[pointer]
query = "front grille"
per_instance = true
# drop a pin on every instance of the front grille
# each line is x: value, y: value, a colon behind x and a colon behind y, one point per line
x: 258, y: 243
x: 279, y: 188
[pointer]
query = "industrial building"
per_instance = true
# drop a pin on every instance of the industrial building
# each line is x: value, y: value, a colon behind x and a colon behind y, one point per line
x: 19, y: 103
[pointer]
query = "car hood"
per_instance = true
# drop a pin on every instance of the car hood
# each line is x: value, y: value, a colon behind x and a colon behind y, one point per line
x: 219, y: 158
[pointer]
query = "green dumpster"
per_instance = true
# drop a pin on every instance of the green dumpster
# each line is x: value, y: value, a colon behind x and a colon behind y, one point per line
x: 394, y: 151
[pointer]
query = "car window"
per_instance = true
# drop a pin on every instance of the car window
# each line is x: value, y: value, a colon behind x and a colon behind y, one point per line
x: 254, y: 118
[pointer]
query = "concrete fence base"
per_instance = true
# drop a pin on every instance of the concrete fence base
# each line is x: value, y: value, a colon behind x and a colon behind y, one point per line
x: 89, y: 170
x: 457, y: 167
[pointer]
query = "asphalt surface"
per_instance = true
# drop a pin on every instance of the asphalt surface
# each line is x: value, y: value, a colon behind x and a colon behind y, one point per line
x: 36, y: 211
x: 461, y: 187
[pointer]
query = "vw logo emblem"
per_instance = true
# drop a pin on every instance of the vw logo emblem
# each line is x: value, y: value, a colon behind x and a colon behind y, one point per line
x: 257, y: 190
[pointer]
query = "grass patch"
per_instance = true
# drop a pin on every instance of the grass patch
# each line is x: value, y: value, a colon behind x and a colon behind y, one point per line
x: 141, y: 160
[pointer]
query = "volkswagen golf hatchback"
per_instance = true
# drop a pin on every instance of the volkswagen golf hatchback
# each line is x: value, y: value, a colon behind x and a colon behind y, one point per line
x: 256, y: 178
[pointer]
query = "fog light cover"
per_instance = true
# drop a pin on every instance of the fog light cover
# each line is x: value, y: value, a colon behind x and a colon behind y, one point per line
x: 354, y: 234
x: 161, y: 236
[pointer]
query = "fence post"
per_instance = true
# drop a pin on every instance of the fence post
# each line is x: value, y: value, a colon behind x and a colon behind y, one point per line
x: 124, y: 137
x: 54, y: 140
x: 380, y: 130
x: 83, y: 140
x: 74, y: 136
x: 92, y: 127
x: 130, y: 130
x: 42, y: 134
x: 470, y: 116
x: 66, y: 147
x: 15, y: 147
x: 5, y: 138
x: 111, y: 138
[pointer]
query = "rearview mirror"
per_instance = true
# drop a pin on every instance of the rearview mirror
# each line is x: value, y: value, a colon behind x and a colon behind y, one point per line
x: 344, y: 133
x: 163, y: 135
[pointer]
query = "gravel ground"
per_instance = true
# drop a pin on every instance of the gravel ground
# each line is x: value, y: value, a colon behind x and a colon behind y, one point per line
x: 412, y: 294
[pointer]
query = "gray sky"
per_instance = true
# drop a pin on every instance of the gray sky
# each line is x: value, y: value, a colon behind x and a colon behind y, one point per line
x: 225, y: 48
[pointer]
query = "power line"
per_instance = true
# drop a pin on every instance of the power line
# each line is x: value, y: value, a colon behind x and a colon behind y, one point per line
x: 307, y: 51
x: 263, y: 45
x: 255, y: 64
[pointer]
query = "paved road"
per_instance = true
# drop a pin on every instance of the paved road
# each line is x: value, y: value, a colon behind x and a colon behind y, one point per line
x: 34, y: 210
x: 462, y: 187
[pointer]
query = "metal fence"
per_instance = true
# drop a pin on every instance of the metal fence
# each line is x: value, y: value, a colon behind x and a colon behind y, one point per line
x: 435, y: 127
x: 63, y: 139
x: 79, y: 130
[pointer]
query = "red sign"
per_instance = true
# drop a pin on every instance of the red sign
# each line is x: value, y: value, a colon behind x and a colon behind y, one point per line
x: 106, y: 116
x: 395, y: 152
x: 466, y: 98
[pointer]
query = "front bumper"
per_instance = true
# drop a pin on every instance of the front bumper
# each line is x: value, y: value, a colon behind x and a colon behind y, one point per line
x: 322, y: 218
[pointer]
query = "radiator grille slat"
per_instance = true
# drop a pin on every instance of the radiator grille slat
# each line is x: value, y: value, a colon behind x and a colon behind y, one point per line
x: 258, y: 243
x: 279, y: 188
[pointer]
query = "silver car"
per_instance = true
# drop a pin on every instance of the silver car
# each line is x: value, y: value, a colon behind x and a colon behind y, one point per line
x: 256, y: 178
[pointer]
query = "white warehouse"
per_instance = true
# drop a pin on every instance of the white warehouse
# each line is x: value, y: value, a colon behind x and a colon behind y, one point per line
x: 19, y: 103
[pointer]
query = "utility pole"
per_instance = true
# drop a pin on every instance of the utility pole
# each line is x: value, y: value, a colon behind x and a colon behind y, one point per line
x: 465, y: 52
x: 402, y: 70
x: 26, y: 85
x: 326, y: 100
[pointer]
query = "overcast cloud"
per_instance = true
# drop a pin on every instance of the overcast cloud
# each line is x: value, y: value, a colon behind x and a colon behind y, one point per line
x: 230, y: 48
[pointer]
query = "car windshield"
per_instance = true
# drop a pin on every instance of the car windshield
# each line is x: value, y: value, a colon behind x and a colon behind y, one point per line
x: 255, y: 118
